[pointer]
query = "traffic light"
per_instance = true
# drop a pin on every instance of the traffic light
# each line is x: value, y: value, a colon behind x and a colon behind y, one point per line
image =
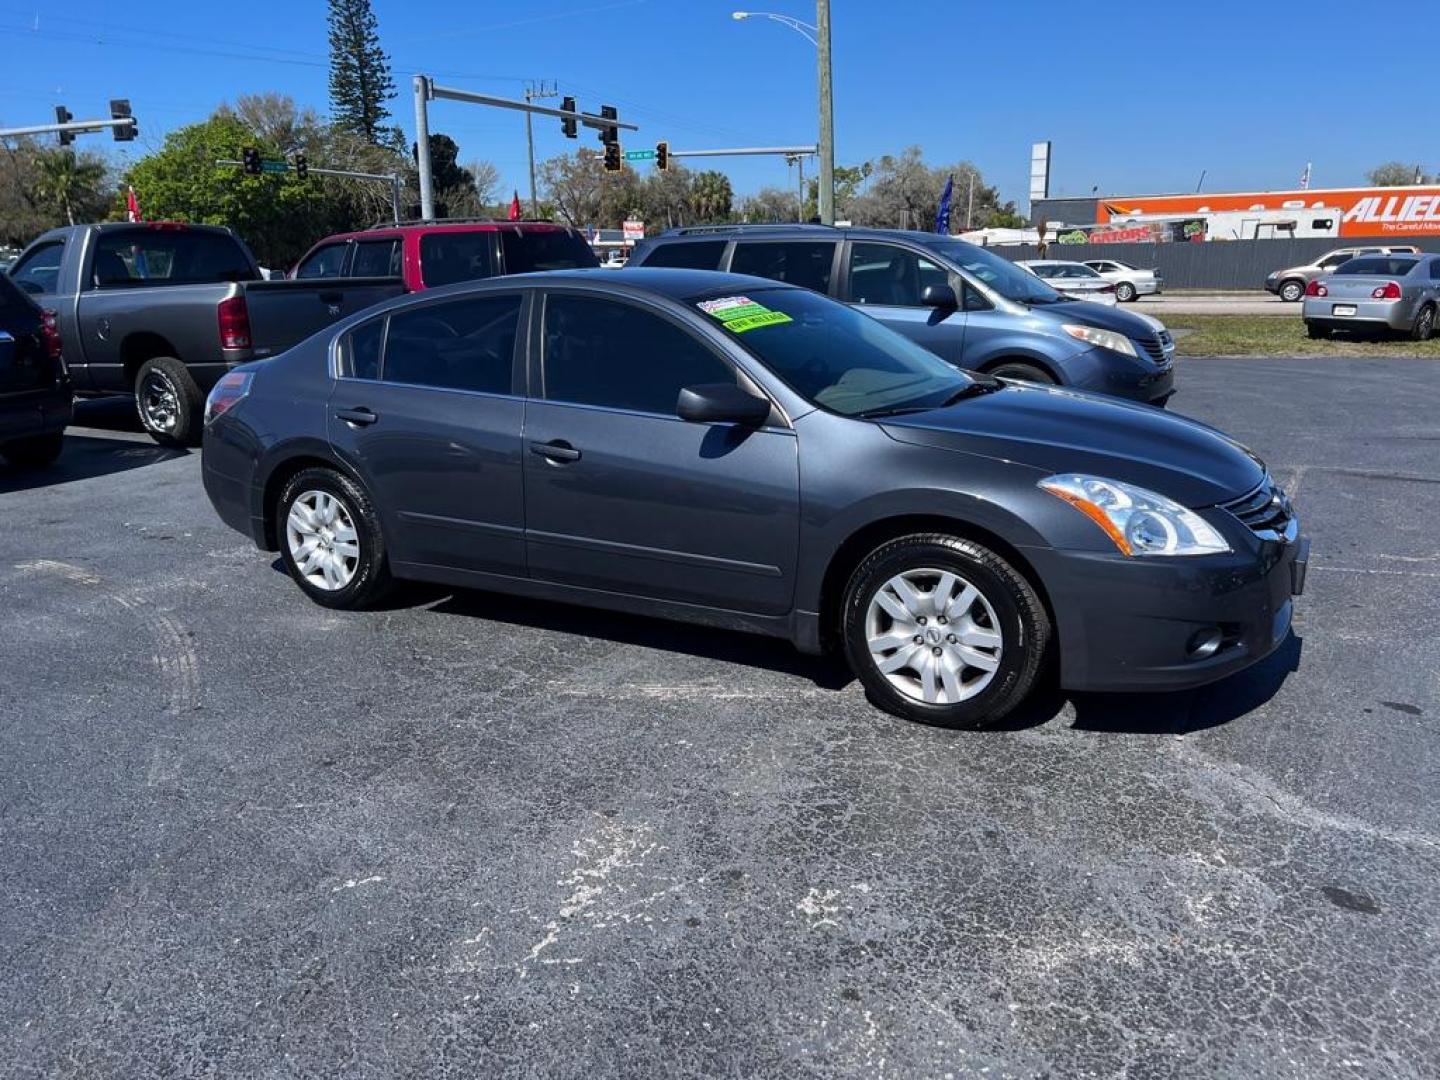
x: 612, y: 157
x: 568, y: 124
x: 609, y: 134
x: 250, y: 159
x: 120, y: 110
x: 63, y: 116
x: 662, y: 155
x: 302, y: 167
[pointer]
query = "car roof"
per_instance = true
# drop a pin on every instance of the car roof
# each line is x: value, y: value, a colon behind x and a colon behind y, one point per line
x: 386, y: 232
x: 671, y: 283
x: 798, y: 230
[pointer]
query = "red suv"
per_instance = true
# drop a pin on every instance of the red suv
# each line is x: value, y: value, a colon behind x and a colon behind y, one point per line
x: 427, y: 254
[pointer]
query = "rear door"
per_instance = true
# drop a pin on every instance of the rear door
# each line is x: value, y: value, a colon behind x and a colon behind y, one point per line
x: 621, y: 495
x: 886, y: 281
x: 425, y: 409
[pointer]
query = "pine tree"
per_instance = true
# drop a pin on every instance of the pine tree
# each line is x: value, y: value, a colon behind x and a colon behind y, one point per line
x: 360, y: 81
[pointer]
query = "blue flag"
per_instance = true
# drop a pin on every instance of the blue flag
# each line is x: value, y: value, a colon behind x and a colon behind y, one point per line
x: 942, y: 216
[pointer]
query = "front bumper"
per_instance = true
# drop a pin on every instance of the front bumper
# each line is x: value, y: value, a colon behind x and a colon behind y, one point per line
x: 1133, y: 623
x: 1133, y: 378
x: 1392, y: 314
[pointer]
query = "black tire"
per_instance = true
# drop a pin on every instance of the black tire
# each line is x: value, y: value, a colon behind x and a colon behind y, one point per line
x: 371, y: 578
x: 1317, y: 331
x: 1423, y: 328
x: 1019, y: 616
x: 1291, y: 291
x: 168, y: 402
x: 1015, y: 370
x: 35, y: 452
x: 1125, y: 292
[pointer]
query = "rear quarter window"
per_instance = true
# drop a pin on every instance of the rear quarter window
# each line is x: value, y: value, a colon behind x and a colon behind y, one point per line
x: 550, y: 249
x: 704, y: 255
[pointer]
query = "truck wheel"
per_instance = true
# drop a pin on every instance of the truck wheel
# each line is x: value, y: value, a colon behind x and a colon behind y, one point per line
x: 1124, y: 292
x: 33, y: 453
x: 1028, y: 372
x: 1424, y: 327
x: 1292, y: 291
x: 943, y: 631
x: 168, y: 402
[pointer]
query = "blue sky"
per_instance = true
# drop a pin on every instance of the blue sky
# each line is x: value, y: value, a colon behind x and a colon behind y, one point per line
x: 1137, y: 98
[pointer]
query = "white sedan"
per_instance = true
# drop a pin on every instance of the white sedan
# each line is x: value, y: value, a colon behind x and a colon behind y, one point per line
x: 1129, y: 281
x: 1073, y: 279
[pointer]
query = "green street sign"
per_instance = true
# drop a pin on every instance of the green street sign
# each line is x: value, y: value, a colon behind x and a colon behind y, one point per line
x: 274, y: 166
x: 639, y: 155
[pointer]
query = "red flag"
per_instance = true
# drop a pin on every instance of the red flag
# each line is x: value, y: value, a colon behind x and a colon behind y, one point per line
x: 132, y: 206
x: 515, y: 212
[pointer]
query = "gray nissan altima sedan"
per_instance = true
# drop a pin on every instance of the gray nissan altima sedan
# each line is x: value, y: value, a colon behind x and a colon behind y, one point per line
x: 738, y: 452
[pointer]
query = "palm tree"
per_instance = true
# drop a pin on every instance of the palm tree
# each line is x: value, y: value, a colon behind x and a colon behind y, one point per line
x: 64, y: 181
x: 711, y: 196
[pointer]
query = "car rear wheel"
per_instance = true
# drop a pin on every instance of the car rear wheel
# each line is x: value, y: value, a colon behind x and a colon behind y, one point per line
x: 1124, y: 292
x: 1029, y: 372
x: 168, y: 402
x: 1424, y: 325
x: 35, y: 452
x: 1291, y: 291
x: 943, y: 631
x: 1317, y: 331
x: 330, y: 540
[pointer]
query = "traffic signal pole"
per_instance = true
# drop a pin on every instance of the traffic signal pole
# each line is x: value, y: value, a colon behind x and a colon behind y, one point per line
x: 75, y: 127
x: 395, y: 184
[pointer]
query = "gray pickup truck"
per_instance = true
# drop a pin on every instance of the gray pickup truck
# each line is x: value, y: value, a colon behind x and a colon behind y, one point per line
x: 161, y: 310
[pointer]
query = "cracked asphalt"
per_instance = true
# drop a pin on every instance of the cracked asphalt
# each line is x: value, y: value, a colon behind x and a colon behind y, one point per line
x: 241, y: 835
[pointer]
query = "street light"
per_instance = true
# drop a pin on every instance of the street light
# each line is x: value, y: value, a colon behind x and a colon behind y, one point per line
x: 819, y: 36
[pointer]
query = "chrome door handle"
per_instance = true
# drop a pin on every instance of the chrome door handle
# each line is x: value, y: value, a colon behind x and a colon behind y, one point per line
x: 359, y: 416
x: 558, y: 451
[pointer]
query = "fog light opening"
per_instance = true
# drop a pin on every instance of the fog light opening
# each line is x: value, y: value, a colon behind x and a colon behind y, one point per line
x: 1204, y: 643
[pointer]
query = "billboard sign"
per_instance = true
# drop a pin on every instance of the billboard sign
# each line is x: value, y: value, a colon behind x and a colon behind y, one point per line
x: 1371, y: 211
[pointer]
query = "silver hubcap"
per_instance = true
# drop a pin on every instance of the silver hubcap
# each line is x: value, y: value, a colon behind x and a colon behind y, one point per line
x: 322, y: 540
x: 159, y: 402
x: 934, y: 636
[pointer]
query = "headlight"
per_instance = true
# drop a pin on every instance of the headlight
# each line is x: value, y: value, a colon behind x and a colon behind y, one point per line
x: 1137, y: 521
x: 1105, y: 339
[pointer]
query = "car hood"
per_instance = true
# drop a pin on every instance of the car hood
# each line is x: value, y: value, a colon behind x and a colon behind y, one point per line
x: 1140, y: 327
x: 1055, y: 430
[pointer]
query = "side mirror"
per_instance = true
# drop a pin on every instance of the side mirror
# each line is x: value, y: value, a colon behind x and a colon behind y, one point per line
x: 721, y: 403
x: 939, y: 296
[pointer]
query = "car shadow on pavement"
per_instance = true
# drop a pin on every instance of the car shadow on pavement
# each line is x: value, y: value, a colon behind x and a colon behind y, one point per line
x: 1182, y: 712
x: 107, y: 413
x: 86, y: 456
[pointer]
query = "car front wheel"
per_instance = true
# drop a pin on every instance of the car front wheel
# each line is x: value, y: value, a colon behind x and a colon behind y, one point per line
x: 944, y: 631
x: 330, y: 539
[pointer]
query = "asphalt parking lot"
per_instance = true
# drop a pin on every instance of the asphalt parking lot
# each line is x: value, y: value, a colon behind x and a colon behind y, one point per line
x: 241, y: 835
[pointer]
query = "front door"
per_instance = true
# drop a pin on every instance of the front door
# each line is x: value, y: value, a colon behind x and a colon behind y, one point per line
x: 621, y: 495
x: 886, y: 282
x: 425, y: 411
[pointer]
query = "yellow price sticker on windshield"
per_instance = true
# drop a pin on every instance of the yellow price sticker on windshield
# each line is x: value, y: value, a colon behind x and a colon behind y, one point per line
x: 740, y: 313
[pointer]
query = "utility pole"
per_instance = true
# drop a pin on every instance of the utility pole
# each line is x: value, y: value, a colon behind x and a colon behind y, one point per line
x: 970, y: 206
x: 827, y: 115
x: 533, y: 91
x: 423, y: 90
x: 798, y: 160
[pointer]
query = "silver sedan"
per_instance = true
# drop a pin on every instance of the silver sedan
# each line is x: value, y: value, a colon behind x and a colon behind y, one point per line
x: 1073, y: 279
x: 1376, y: 292
x: 1130, y: 282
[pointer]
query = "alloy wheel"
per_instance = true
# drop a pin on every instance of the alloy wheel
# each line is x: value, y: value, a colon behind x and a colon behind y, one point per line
x: 321, y: 536
x: 159, y: 402
x: 934, y: 636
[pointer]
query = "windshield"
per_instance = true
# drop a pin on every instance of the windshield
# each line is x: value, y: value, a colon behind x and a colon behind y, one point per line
x: 1010, y: 281
x: 833, y: 356
x: 1382, y: 265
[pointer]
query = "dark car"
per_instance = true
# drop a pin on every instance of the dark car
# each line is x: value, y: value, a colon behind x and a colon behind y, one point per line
x: 35, y: 395
x: 728, y: 450
x: 967, y: 305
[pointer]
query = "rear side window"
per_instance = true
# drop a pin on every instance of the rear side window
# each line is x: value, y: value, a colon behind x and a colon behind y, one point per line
x: 599, y: 352
x: 448, y: 257
x: 1435, y: 269
x: 169, y: 257
x: 39, y: 272
x: 461, y: 345
x: 549, y: 249
x: 325, y: 263
x: 804, y: 264
x: 698, y: 256
x: 376, y: 258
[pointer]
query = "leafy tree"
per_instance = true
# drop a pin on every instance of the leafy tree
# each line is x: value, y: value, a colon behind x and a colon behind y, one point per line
x: 849, y: 179
x: 42, y: 187
x: 771, y: 204
x: 904, y: 192
x: 360, y: 80
x: 574, y: 183
x: 711, y: 196
x: 66, y: 182
x: 1397, y: 174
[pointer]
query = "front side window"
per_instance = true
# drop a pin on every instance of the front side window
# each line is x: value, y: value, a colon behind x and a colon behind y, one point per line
x: 448, y: 257
x: 325, y: 263
x: 834, y: 356
x: 168, y: 256
x: 460, y: 345
x: 806, y: 264
x: 599, y: 352
x: 704, y: 255
x: 891, y: 275
x: 39, y: 272
x: 376, y: 258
